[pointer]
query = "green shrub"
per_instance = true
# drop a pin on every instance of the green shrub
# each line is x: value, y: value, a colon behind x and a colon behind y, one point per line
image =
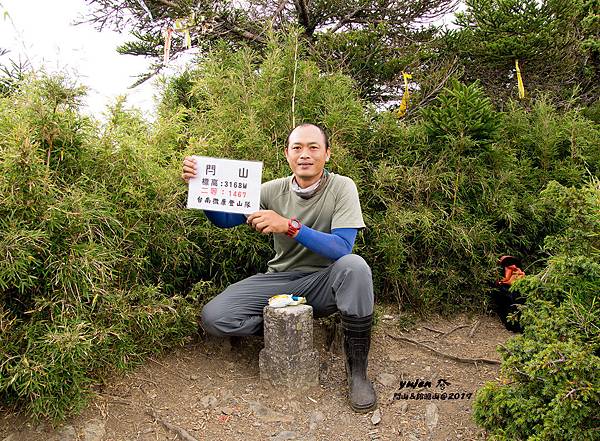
x: 435, y: 199
x: 86, y: 283
x: 550, y: 388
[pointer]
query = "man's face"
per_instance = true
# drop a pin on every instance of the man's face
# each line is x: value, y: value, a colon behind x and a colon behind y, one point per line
x: 306, y: 154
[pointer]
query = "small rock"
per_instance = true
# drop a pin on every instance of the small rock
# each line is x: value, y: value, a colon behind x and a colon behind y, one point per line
x: 284, y: 436
x: 259, y: 409
x: 67, y: 433
x: 227, y: 395
x: 431, y: 416
x: 388, y: 317
x: 413, y: 437
x: 387, y: 379
x: 194, y: 377
x: 404, y: 407
x: 427, y: 368
x: 94, y: 430
x: 315, y: 418
x: 268, y: 415
x: 376, y: 417
x: 208, y: 401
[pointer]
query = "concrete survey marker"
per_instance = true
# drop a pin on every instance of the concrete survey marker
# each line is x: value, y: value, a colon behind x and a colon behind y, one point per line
x: 288, y: 358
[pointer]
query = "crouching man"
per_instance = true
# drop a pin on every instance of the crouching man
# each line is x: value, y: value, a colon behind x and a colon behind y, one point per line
x: 314, y: 217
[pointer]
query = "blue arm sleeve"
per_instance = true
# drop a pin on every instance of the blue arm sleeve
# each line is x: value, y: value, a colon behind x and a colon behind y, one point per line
x: 225, y: 220
x: 333, y: 246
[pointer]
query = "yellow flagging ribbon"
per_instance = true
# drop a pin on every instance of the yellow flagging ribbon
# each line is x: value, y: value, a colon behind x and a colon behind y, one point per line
x: 182, y: 26
x: 405, y: 96
x: 520, y: 81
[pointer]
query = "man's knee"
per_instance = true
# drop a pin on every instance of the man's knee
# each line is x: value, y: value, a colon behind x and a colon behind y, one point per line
x: 353, y: 263
x: 353, y: 286
x: 208, y: 318
x: 217, y: 318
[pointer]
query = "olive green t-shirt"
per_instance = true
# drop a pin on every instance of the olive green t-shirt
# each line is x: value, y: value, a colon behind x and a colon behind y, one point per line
x: 335, y: 206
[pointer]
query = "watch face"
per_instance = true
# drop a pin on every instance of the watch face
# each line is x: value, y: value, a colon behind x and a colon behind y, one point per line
x: 295, y: 223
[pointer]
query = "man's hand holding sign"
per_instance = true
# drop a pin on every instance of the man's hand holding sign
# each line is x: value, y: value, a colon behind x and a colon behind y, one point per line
x: 314, y: 216
x: 267, y: 221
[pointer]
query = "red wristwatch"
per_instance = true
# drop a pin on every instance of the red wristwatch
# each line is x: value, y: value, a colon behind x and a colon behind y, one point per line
x: 293, y: 227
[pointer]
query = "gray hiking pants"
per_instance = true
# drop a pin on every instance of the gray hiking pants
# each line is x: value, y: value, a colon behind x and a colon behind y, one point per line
x: 346, y: 286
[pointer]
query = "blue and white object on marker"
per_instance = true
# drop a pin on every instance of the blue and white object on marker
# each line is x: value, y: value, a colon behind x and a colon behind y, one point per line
x: 283, y: 300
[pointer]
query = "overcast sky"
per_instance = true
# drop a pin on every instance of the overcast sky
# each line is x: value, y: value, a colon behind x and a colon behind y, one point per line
x: 42, y: 32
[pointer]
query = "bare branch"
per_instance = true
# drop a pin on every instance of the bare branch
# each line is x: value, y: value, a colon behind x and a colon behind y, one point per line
x: 279, y: 9
x: 474, y: 328
x: 242, y: 32
x: 345, y: 20
x: 443, y: 354
x: 302, y: 14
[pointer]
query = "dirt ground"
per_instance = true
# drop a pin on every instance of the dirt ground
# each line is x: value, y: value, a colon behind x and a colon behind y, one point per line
x: 210, y: 390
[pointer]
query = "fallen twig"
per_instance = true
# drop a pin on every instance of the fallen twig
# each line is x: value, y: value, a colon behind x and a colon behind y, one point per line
x: 114, y: 399
x: 443, y: 354
x: 474, y: 328
x: 446, y: 334
x: 432, y: 329
x: 157, y: 362
x: 427, y: 341
x: 182, y: 433
x: 442, y: 333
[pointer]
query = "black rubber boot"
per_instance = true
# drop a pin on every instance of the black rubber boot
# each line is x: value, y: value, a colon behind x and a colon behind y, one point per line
x: 357, y: 340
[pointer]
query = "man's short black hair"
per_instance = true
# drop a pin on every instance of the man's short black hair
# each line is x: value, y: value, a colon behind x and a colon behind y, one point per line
x: 321, y: 129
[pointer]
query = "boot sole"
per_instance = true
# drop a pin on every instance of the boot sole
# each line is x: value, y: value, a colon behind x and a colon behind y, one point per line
x: 363, y: 409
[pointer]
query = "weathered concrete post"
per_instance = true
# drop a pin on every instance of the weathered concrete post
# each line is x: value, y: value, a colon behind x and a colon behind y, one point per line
x: 288, y: 358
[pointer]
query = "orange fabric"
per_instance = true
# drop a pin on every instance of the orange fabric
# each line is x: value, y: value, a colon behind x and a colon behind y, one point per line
x: 511, y: 273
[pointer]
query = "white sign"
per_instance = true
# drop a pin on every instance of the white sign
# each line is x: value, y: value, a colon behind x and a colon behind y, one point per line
x: 225, y: 185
